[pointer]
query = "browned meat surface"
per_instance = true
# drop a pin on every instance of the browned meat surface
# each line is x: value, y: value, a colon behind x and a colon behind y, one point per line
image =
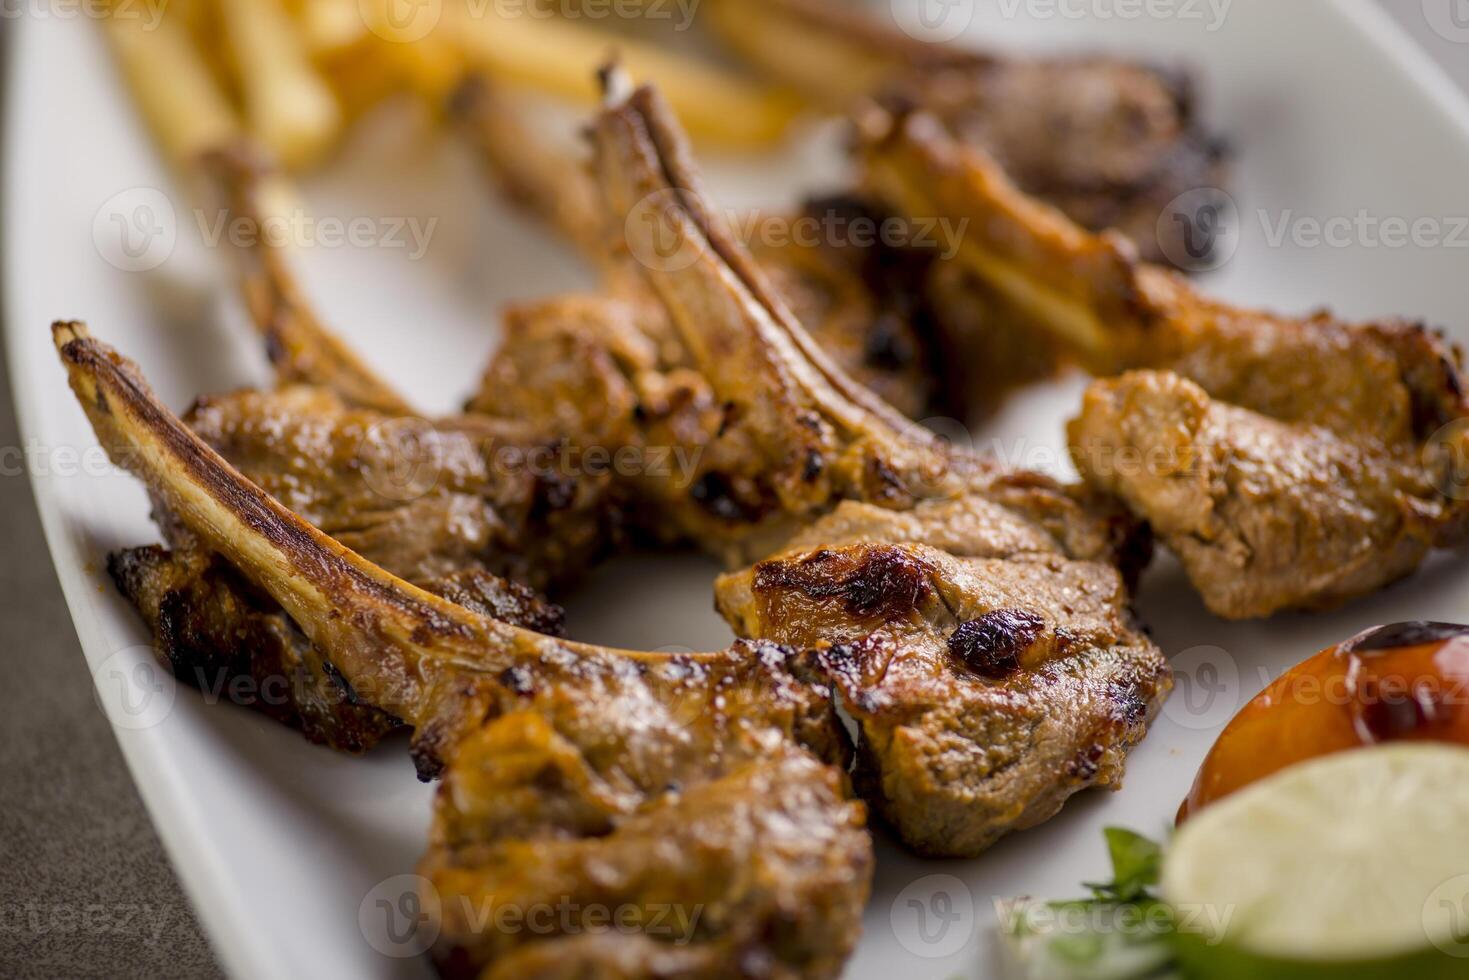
x: 798, y: 449
x: 1290, y: 463
x: 865, y: 299
x: 862, y: 300
x: 423, y: 499
x: 1110, y: 142
x: 987, y: 690
x: 1264, y: 515
x: 570, y: 765
x: 220, y: 634
x: 740, y: 872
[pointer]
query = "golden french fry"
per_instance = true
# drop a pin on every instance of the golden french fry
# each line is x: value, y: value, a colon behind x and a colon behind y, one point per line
x: 562, y: 58
x: 173, y: 86
x: 329, y: 27
x: 288, y: 106
x: 831, y: 55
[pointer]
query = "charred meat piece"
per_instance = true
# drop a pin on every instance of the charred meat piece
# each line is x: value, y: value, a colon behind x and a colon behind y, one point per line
x: 1290, y: 463
x: 1264, y: 515
x: 1110, y: 142
x: 574, y: 771
x: 861, y: 299
x: 986, y: 690
x: 217, y: 632
x: 870, y: 500
x: 444, y: 504
x: 423, y: 499
x: 796, y: 431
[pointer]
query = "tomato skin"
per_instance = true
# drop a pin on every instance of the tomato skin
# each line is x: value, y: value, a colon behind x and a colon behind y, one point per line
x: 1407, y: 682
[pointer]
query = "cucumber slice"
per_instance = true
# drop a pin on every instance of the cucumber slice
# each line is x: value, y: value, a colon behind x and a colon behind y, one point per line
x: 1352, y: 866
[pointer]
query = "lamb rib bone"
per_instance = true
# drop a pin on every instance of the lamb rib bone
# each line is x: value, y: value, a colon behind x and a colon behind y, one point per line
x: 422, y: 499
x: 301, y: 349
x: 1290, y: 463
x: 907, y: 623
x: 569, y: 765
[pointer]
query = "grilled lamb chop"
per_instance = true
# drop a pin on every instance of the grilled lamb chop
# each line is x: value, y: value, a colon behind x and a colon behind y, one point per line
x: 421, y: 498
x: 576, y: 775
x: 1108, y: 141
x: 899, y: 546
x: 449, y: 505
x: 987, y: 690
x: 1290, y: 463
x: 865, y: 303
x: 216, y: 630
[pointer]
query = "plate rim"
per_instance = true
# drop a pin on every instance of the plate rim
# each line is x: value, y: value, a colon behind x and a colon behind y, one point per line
x: 192, y: 851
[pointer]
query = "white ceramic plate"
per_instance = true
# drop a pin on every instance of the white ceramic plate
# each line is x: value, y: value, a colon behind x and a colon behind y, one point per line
x: 280, y: 844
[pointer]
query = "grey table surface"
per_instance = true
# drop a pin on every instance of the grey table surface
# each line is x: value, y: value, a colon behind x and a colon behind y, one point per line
x: 85, y: 888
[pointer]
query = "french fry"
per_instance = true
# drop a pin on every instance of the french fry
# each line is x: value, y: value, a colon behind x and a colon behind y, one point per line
x: 827, y: 53
x: 329, y: 27
x: 173, y: 86
x: 288, y: 106
x: 562, y: 58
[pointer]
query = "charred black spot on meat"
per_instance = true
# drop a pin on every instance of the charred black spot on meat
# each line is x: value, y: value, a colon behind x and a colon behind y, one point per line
x: 884, y: 582
x: 885, y: 481
x: 889, y: 581
x: 1132, y: 707
x: 815, y: 466
x: 519, y: 680
x: 1087, y: 763
x: 554, y: 492
x: 716, y: 494
x: 427, y: 764
x: 992, y: 645
x: 342, y: 684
